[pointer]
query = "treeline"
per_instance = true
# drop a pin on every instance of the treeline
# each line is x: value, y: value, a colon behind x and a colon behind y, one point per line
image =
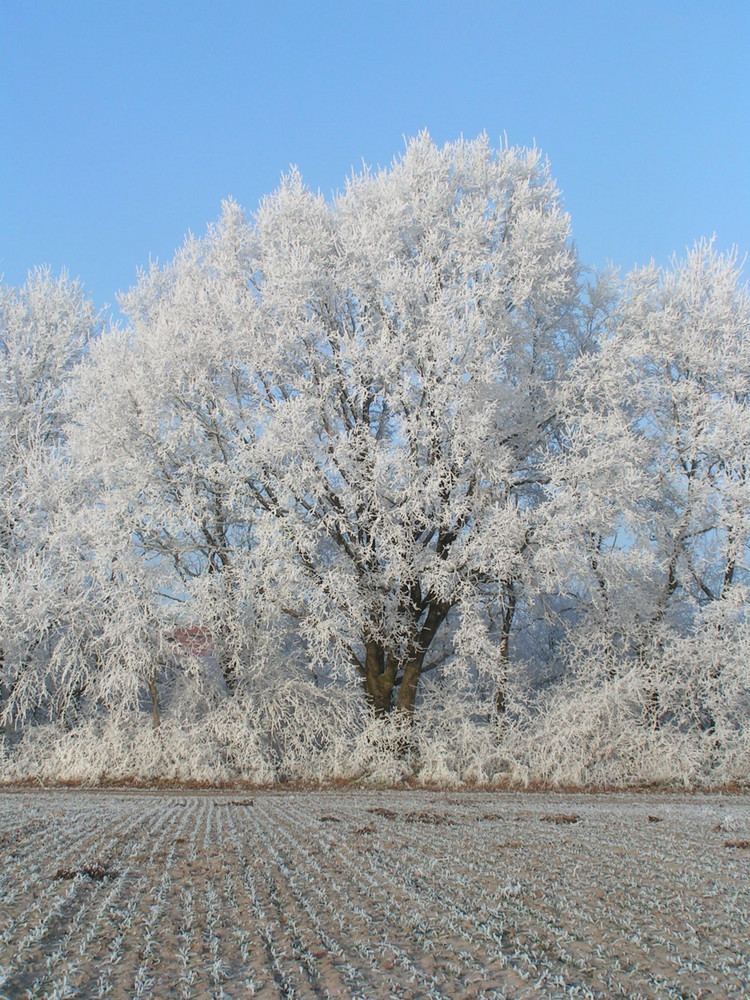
x: 389, y: 484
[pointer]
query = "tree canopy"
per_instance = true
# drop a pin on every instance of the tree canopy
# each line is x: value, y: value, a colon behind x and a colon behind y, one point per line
x: 395, y: 439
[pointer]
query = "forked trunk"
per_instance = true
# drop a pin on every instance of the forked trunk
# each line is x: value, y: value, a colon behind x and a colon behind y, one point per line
x: 379, y: 700
x: 379, y: 678
x: 383, y: 671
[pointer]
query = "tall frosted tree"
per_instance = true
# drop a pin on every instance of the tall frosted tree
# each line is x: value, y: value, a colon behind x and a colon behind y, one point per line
x: 45, y: 326
x: 653, y: 499
x: 347, y: 443
x: 339, y: 412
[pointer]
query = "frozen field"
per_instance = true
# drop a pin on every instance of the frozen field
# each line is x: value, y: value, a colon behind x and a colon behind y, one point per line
x: 373, y: 895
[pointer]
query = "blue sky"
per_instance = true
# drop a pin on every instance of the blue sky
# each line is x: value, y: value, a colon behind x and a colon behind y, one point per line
x: 123, y: 125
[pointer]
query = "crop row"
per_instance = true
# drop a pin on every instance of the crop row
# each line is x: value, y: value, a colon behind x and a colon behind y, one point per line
x: 363, y: 894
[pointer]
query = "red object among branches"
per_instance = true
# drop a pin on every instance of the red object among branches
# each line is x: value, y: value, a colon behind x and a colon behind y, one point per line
x: 194, y: 638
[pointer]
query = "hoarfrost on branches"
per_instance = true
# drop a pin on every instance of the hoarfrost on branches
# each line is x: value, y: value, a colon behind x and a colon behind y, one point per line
x: 386, y: 484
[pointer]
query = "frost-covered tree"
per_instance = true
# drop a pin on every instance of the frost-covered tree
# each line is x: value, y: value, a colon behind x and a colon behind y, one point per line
x: 686, y: 335
x: 162, y: 419
x: 652, y: 499
x: 44, y: 328
x: 366, y: 439
x: 339, y: 412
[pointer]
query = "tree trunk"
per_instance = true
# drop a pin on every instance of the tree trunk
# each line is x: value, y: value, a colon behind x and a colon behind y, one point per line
x: 228, y: 672
x: 653, y: 709
x: 414, y: 661
x: 154, y: 703
x: 407, y: 694
x: 508, y: 612
x: 651, y: 643
x: 500, y: 697
x: 382, y: 668
x: 380, y: 676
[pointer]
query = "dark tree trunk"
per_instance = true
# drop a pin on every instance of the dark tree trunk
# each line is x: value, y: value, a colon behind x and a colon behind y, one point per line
x: 383, y: 671
x: 407, y: 694
x: 500, y: 698
x: 154, y: 703
x: 509, y: 611
x: 648, y: 648
x: 414, y: 661
x: 653, y: 709
x: 379, y: 678
x: 229, y: 672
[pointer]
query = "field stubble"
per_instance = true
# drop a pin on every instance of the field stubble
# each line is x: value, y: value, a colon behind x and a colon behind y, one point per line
x: 367, y: 894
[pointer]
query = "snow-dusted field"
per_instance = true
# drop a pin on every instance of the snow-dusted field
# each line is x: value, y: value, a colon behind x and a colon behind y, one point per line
x: 373, y: 894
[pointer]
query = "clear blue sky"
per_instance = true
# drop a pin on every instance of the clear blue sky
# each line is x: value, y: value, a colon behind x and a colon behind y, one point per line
x: 124, y: 124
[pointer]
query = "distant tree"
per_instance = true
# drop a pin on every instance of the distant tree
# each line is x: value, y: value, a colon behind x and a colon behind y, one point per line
x: 340, y: 413
x: 652, y: 498
x: 45, y: 327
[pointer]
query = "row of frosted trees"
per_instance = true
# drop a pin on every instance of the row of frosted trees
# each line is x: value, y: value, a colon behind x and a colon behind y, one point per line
x: 380, y: 485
